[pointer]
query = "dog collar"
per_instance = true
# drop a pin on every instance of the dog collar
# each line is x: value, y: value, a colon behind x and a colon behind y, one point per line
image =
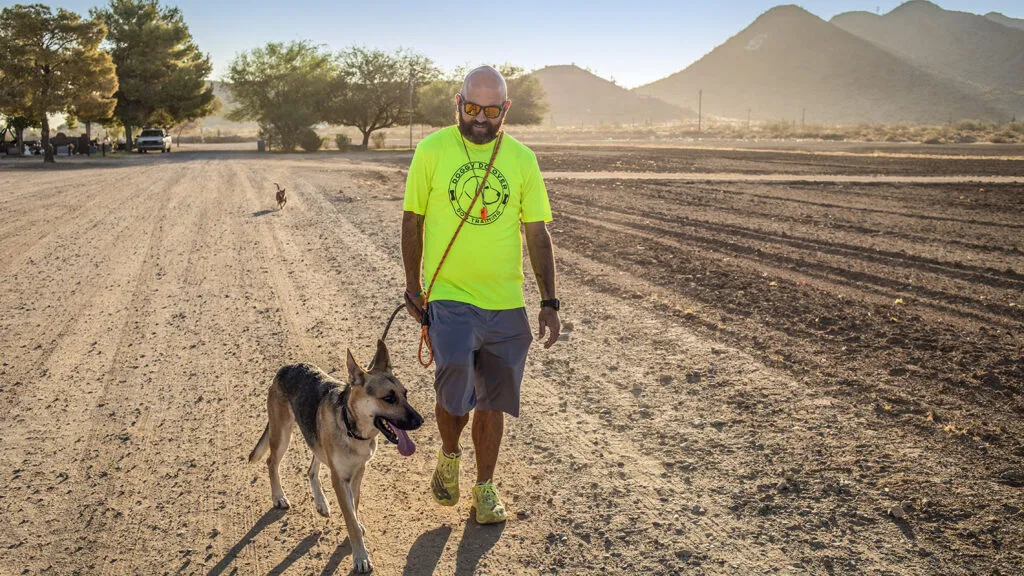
x: 344, y: 416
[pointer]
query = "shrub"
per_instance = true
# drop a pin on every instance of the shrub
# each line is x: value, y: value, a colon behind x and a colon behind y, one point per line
x: 1005, y: 137
x: 342, y: 141
x: 379, y: 138
x: 310, y: 140
x: 776, y: 127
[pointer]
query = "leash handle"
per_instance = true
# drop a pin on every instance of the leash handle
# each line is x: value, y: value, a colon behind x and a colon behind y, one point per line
x: 424, y: 335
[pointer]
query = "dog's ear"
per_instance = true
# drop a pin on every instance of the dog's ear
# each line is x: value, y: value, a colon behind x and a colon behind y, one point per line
x: 382, y: 360
x: 356, y: 374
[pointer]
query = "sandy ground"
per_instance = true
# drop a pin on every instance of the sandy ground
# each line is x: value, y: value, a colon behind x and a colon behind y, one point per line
x: 738, y: 390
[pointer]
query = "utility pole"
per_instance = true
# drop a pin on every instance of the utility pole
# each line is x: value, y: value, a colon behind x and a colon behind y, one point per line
x: 803, y: 117
x: 410, y: 108
x: 700, y: 109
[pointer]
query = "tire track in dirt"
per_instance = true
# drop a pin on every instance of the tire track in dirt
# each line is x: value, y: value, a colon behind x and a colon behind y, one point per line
x: 172, y: 439
x: 790, y: 310
x: 825, y: 494
x: 950, y: 303
x: 744, y: 206
x: 37, y: 215
x: 61, y: 302
x: 707, y: 198
x: 118, y: 440
x: 42, y: 316
x: 833, y: 246
x: 939, y: 279
x: 76, y: 351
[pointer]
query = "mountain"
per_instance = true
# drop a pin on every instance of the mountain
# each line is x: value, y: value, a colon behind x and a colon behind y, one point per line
x: 956, y: 45
x: 576, y: 96
x: 789, y: 60
x: 1006, y: 20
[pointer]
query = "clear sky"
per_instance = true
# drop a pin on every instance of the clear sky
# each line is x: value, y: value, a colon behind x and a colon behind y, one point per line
x: 634, y: 42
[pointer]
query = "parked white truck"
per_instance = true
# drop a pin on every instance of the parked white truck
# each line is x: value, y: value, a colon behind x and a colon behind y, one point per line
x: 153, y: 139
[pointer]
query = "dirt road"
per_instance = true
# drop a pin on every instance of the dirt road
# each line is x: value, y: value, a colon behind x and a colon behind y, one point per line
x: 756, y: 379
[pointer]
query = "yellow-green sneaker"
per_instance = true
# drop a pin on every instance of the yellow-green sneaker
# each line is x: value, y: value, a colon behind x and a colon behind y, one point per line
x: 445, y: 482
x: 489, y: 509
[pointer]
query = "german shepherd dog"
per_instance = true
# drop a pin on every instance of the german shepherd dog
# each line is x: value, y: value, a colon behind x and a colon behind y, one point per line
x: 282, y: 196
x: 340, y: 423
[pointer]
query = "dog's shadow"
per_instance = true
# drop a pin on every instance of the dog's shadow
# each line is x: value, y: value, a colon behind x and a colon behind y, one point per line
x: 268, y: 518
x: 422, y: 559
x: 301, y: 549
x: 259, y: 213
x: 476, y: 541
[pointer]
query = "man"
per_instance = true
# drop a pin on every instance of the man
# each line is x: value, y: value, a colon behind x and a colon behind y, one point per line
x: 478, y: 324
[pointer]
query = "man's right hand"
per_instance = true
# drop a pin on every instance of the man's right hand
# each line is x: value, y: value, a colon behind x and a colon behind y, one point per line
x: 414, y: 304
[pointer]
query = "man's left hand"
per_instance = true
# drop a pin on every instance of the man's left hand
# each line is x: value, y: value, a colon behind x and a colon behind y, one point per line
x: 548, y: 319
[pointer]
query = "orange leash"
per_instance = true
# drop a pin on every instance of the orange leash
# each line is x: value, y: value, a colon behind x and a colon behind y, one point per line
x: 424, y: 332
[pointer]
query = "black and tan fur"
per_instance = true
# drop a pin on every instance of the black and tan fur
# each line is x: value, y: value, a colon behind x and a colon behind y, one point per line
x: 282, y: 196
x: 303, y: 394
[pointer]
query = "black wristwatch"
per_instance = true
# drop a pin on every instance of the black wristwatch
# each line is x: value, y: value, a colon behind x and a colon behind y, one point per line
x: 553, y: 303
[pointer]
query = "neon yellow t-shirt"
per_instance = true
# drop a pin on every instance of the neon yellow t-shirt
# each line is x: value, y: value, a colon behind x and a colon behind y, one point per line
x: 485, y: 265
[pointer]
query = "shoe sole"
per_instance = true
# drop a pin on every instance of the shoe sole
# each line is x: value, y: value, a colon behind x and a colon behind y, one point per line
x: 435, y: 488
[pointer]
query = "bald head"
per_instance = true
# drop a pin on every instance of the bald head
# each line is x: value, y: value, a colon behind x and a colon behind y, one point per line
x: 485, y: 89
x: 485, y: 83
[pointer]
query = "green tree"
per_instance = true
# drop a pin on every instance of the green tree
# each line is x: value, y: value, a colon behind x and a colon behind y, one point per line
x: 285, y: 88
x: 376, y: 91
x: 161, y: 70
x: 437, y: 102
x: 17, y: 126
x: 51, y: 63
x: 529, y: 101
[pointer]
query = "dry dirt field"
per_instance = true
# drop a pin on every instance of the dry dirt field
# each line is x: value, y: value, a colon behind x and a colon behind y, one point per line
x: 757, y: 377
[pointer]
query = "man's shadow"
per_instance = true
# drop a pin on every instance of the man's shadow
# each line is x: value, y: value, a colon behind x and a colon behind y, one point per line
x: 268, y: 518
x: 476, y: 541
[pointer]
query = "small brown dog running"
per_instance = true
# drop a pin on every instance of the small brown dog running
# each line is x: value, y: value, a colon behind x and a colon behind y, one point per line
x: 282, y: 196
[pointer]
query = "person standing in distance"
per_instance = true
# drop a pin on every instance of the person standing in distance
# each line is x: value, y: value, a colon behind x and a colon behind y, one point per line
x: 478, y: 324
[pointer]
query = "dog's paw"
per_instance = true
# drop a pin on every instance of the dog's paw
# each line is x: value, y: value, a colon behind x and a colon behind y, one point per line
x: 281, y: 502
x: 323, y: 509
x: 361, y: 562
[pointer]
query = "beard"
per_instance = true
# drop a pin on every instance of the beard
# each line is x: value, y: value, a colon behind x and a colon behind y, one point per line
x: 478, y: 132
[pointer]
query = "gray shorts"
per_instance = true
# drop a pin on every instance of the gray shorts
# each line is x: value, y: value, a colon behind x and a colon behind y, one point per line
x: 480, y: 356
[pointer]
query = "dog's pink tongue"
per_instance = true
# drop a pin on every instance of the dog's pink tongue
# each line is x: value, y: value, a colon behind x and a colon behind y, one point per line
x: 405, y: 444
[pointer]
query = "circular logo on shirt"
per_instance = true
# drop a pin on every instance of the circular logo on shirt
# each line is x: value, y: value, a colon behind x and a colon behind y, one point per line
x: 492, y: 201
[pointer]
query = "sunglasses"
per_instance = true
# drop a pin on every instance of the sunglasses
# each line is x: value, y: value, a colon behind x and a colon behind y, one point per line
x: 472, y: 109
